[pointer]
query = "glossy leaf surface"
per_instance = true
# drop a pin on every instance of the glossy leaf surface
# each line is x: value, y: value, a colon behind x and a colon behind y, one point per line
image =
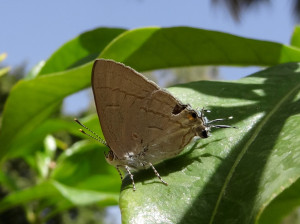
x: 232, y: 176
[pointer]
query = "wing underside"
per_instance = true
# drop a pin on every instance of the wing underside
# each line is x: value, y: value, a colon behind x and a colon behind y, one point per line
x: 135, y: 114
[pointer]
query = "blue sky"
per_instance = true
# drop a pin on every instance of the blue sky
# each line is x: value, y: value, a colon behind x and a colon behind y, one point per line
x: 33, y: 30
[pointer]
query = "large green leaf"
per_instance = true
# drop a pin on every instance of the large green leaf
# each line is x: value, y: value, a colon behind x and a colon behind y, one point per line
x: 80, y: 50
x: 232, y: 176
x: 152, y: 48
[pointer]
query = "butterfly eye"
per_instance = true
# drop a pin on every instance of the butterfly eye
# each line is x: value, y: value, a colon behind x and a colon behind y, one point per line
x: 204, y: 134
x: 110, y: 155
x: 194, y: 115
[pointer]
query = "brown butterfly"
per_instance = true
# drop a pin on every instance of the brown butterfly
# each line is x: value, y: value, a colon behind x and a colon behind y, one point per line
x: 142, y: 123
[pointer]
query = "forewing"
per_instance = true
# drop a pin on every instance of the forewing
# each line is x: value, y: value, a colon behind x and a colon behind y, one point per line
x: 119, y: 93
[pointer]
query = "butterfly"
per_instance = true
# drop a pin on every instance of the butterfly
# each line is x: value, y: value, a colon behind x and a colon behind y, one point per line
x: 142, y: 123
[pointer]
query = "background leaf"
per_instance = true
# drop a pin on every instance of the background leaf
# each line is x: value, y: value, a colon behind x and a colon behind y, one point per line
x: 45, y: 95
x: 81, y: 177
x: 85, y: 159
x: 295, y: 40
x: 153, y: 48
x: 4, y: 70
x: 80, y: 50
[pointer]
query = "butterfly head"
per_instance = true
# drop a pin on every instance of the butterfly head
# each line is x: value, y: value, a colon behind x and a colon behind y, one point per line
x: 204, y: 132
x: 111, y: 157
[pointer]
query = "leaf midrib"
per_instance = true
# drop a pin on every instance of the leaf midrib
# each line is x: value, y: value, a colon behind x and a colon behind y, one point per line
x: 246, y: 147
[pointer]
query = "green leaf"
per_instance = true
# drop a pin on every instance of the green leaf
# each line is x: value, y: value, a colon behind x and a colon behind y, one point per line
x: 4, y: 70
x: 282, y: 205
x: 81, y: 176
x: 42, y: 190
x: 295, y: 40
x: 34, y: 72
x: 85, y: 197
x: 59, y: 193
x: 80, y: 50
x: 33, y: 140
x: 86, y: 160
x: 232, y: 176
x: 32, y: 101
x: 7, y: 182
x: 153, y: 48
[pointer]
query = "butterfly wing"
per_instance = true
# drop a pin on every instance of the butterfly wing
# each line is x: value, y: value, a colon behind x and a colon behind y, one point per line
x: 137, y: 116
x: 169, y: 126
x: 119, y: 91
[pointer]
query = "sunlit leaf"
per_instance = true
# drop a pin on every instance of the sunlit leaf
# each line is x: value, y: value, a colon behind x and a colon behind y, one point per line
x: 232, y: 176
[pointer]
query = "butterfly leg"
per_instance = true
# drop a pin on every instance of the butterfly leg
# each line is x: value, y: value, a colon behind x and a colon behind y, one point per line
x: 119, y: 171
x: 131, y: 177
x: 157, y: 174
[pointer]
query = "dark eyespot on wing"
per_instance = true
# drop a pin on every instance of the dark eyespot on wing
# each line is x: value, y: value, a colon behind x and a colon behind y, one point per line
x: 178, y: 108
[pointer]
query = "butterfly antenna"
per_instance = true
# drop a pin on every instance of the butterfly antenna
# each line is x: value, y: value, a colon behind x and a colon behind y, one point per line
x: 209, y: 123
x: 96, y: 137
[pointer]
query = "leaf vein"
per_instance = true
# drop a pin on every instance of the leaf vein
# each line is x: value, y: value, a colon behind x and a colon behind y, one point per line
x: 246, y: 147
